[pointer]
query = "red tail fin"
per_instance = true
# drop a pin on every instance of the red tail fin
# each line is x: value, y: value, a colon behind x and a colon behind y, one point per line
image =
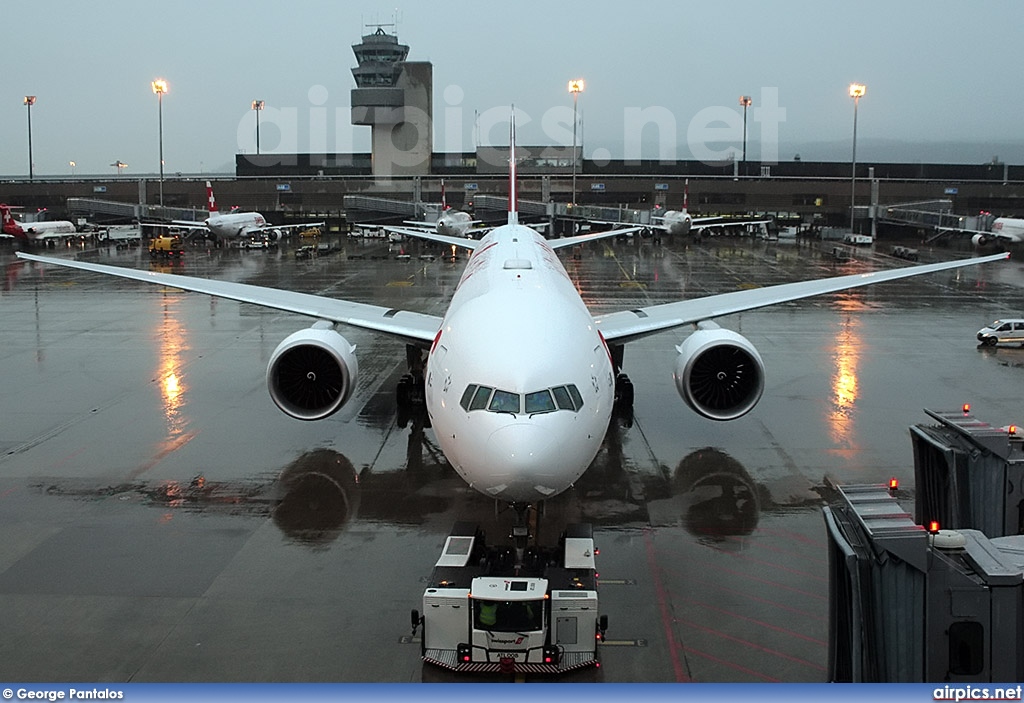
x: 513, y: 196
x: 10, y: 225
x: 210, y: 200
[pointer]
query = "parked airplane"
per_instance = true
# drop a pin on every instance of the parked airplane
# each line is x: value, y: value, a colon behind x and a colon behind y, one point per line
x: 452, y: 223
x: 233, y: 225
x: 519, y: 377
x: 681, y: 222
x: 1009, y: 230
x: 33, y: 231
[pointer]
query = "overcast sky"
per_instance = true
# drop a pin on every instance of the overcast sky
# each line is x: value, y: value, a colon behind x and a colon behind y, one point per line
x: 936, y: 71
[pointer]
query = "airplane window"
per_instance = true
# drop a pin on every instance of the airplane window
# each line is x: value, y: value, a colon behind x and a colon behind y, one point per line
x: 576, y: 397
x: 483, y: 393
x: 467, y: 397
x: 539, y: 402
x: 563, y: 399
x: 504, y: 402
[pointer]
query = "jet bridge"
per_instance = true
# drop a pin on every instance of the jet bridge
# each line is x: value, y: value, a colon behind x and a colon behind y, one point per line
x: 909, y: 605
x: 969, y: 474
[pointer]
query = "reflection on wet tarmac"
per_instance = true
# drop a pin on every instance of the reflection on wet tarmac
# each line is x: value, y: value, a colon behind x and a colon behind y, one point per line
x: 846, y: 357
x: 719, y: 498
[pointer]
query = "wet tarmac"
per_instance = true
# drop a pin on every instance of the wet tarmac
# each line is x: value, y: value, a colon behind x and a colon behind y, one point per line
x: 161, y: 520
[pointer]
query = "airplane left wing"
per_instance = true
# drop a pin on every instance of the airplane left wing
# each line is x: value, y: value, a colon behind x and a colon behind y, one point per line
x: 628, y: 325
x: 412, y: 327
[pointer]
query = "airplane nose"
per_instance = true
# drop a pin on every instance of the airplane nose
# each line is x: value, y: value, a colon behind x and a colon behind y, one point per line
x: 524, y: 456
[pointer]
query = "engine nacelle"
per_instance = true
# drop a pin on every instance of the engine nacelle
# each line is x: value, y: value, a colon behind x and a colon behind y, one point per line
x: 312, y: 373
x: 980, y: 240
x: 719, y: 373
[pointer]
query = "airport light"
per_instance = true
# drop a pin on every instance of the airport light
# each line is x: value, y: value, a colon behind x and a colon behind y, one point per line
x: 72, y: 165
x: 746, y: 102
x: 258, y: 105
x: 29, y: 101
x: 575, y: 87
x: 119, y: 165
x: 160, y: 87
x: 857, y: 91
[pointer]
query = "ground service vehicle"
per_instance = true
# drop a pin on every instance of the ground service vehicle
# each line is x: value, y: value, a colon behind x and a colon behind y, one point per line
x: 1002, y: 332
x: 166, y: 246
x: 487, y: 610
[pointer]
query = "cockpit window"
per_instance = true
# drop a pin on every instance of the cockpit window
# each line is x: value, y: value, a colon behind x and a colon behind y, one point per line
x: 563, y: 399
x: 480, y: 398
x: 547, y: 400
x: 504, y: 402
x: 539, y: 402
x: 576, y: 397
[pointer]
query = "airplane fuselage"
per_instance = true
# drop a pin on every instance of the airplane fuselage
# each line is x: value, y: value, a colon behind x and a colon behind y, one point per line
x: 454, y: 223
x: 519, y: 383
x: 1009, y: 228
x: 235, y: 224
x: 677, y: 222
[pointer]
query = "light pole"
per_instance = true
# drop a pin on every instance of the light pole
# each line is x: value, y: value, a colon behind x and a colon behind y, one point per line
x: 160, y: 87
x: 857, y: 91
x: 746, y: 102
x: 29, y: 101
x: 119, y: 165
x: 257, y: 105
x: 575, y: 87
x: 72, y: 165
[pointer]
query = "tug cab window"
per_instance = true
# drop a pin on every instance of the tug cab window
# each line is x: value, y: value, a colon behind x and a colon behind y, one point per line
x: 508, y: 616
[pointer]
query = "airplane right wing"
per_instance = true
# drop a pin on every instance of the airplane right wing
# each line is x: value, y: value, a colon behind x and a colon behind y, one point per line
x: 412, y: 327
x: 629, y: 325
x: 434, y: 237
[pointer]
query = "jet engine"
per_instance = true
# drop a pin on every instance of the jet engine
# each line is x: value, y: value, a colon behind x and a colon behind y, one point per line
x: 719, y: 373
x: 312, y: 373
x: 980, y: 240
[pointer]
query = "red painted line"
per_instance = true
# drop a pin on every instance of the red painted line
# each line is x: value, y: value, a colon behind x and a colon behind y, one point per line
x: 773, y: 584
x: 768, y: 547
x: 666, y: 616
x: 760, y: 623
x: 779, y: 567
x: 733, y: 665
x: 795, y: 536
x: 753, y: 645
x: 746, y: 596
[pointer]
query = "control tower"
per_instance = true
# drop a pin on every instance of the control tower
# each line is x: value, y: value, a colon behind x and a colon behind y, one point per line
x: 395, y: 98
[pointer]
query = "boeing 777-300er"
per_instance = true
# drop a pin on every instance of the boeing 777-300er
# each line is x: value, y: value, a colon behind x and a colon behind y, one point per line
x: 519, y: 377
x: 233, y: 225
x: 33, y: 231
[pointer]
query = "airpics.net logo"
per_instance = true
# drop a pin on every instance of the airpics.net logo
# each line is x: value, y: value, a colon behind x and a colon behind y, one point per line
x: 712, y: 135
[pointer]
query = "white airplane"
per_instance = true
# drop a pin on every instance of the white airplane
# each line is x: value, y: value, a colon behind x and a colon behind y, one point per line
x: 519, y: 377
x: 1008, y: 230
x: 452, y: 223
x: 33, y: 231
x: 233, y: 225
x: 681, y: 222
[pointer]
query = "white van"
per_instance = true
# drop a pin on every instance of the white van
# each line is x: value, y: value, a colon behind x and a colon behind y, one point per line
x: 1002, y: 332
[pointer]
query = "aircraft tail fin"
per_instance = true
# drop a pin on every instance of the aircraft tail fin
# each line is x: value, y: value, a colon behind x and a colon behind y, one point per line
x: 686, y: 195
x: 513, y: 195
x: 444, y: 200
x: 211, y: 202
x: 9, y: 224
